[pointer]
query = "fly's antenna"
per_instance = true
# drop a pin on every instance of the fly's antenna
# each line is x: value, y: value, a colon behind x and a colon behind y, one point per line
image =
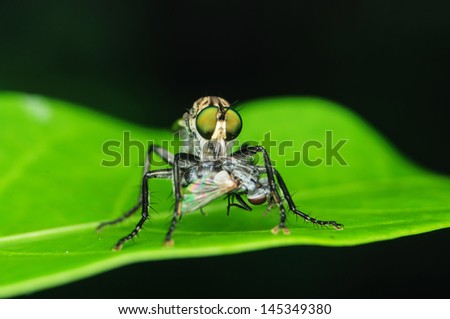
x: 237, y: 106
x: 234, y: 104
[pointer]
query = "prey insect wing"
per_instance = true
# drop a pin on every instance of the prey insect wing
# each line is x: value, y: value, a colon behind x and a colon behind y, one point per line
x: 206, y: 190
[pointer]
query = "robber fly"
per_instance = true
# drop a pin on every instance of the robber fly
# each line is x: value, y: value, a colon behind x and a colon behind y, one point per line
x: 207, y: 168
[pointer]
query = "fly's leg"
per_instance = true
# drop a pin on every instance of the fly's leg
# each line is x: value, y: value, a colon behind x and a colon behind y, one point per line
x: 274, y: 191
x: 176, y: 173
x: 269, y: 206
x: 294, y: 209
x: 163, y: 173
x: 127, y: 214
x: 275, y: 195
x: 165, y: 156
x: 242, y: 204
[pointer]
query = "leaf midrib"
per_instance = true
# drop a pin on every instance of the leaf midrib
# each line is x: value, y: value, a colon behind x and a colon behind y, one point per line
x: 68, y: 229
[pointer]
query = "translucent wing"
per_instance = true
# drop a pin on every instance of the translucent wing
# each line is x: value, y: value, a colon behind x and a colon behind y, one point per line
x: 206, y: 190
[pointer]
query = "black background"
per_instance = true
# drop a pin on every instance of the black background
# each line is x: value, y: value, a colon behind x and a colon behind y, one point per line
x: 146, y: 61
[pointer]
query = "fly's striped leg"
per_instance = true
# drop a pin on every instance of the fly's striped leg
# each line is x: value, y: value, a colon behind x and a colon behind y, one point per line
x: 163, y: 173
x: 275, y: 194
x: 176, y: 173
x: 294, y: 209
x: 271, y: 172
x: 252, y: 150
x: 166, y: 156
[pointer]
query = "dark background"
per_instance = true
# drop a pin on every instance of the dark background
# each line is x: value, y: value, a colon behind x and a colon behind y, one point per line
x: 146, y: 61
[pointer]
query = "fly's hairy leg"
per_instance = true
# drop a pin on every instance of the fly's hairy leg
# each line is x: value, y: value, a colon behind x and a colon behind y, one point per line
x: 176, y: 173
x: 127, y: 214
x: 275, y: 195
x: 269, y: 206
x: 165, y: 156
x: 163, y: 173
x: 294, y: 209
x: 242, y: 204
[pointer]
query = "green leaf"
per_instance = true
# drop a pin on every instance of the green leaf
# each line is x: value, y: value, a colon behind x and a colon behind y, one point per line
x: 54, y: 190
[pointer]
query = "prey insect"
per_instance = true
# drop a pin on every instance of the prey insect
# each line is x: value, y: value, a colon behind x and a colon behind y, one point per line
x: 207, y: 168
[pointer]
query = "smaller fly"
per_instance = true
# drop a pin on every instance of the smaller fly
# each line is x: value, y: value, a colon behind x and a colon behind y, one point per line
x: 206, y: 169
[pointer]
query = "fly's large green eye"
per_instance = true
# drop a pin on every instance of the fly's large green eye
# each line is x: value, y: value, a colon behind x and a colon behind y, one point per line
x: 206, y: 122
x: 234, y: 124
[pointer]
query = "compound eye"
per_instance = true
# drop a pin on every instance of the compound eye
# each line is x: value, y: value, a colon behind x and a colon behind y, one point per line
x: 206, y: 122
x: 234, y: 124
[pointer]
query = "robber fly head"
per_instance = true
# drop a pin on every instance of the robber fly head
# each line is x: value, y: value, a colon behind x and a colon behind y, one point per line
x: 214, y: 124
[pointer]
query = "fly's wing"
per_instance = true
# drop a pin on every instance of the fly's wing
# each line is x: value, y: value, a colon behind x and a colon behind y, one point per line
x: 206, y: 190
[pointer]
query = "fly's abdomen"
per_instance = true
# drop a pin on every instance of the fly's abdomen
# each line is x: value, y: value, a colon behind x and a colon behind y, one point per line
x: 257, y: 198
